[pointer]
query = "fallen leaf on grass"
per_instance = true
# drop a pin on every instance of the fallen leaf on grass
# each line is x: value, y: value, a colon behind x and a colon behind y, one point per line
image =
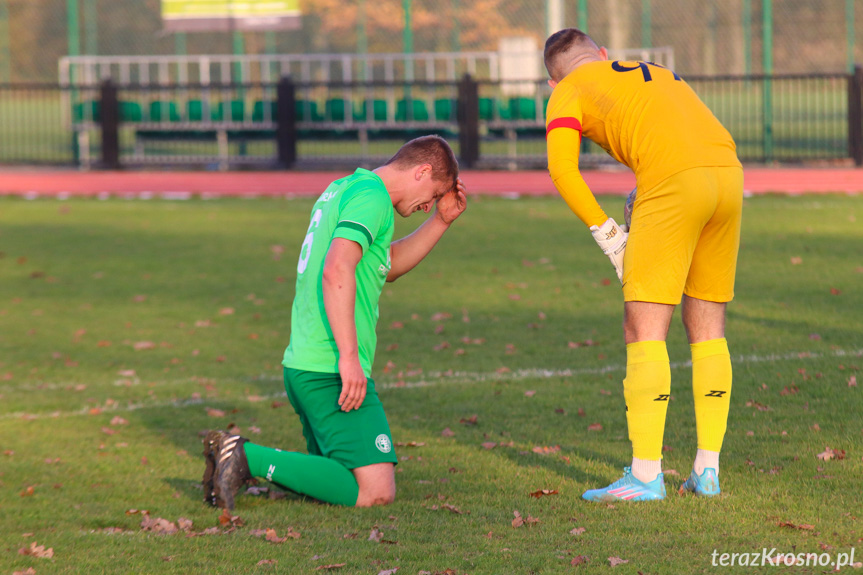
x: 37, y: 551
x: 472, y: 420
x: 803, y: 526
x: 28, y: 492
x: 615, y: 561
x: 375, y: 535
x: 829, y: 454
x: 266, y: 562
x: 578, y: 530
x: 545, y: 450
x: 330, y: 567
x: 410, y: 444
x: 226, y: 311
x: 543, y: 492
x: 227, y: 519
x: 489, y: 445
x: 271, y: 536
x: 579, y: 560
x: 28, y: 571
x: 756, y: 405
x: 158, y: 525
x: 447, y: 432
x: 852, y: 381
x: 215, y: 412
x: 388, y: 571
x: 530, y: 393
x: 141, y: 345
x: 117, y: 420
x: 518, y: 521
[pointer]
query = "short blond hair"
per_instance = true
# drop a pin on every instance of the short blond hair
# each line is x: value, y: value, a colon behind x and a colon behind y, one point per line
x: 562, y: 47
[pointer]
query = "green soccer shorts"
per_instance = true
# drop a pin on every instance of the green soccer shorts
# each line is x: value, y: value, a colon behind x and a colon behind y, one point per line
x: 356, y: 438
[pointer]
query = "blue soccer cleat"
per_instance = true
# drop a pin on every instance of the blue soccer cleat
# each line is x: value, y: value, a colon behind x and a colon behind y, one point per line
x: 704, y: 485
x: 628, y: 488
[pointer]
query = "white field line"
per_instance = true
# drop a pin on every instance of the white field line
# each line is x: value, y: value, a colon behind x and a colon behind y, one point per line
x: 430, y: 379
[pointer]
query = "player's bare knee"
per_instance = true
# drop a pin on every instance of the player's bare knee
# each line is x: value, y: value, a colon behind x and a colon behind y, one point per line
x: 376, y: 498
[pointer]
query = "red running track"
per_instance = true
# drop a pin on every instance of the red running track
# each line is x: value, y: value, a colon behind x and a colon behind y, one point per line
x: 33, y: 183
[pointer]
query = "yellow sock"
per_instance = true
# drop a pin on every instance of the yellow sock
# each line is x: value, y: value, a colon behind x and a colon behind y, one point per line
x: 711, y: 388
x: 646, y: 390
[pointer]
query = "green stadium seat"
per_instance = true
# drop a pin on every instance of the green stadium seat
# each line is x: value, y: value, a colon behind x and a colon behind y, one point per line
x: 264, y: 111
x: 486, y: 109
x: 418, y: 111
x: 522, y: 108
x: 86, y: 111
x: 237, y: 111
x: 161, y: 111
x: 130, y: 112
x: 336, y: 110
x: 378, y: 109
x: 491, y: 109
x: 307, y: 111
x: 445, y: 109
x: 195, y: 111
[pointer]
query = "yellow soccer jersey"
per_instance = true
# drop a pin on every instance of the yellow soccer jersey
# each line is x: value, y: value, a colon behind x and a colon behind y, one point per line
x: 645, y: 116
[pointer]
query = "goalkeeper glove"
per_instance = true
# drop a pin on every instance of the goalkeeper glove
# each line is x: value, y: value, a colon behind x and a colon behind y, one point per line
x: 612, y: 240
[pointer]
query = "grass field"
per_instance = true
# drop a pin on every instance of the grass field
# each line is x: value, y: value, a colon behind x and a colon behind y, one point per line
x: 129, y: 327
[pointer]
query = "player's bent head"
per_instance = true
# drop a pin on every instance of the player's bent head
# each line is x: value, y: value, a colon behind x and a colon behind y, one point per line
x: 432, y: 150
x: 563, y: 47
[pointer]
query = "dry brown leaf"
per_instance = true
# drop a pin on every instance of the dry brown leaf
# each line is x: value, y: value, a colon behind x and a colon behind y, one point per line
x: 829, y: 454
x: 454, y: 509
x: 489, y: 445
x: 117, y: 420
x: 578, y: 530
x: 530, y: 393
x: 518, y: 521
x: 472, y: 420
x: 756, y: 405
x: 215, y: 412
x: 266, y: 562
x: 579, y: 560
x: 226, y: 311
x: 141, y: 345
x: 184, y: 524
x: 803, y: 526
x: 37, y: 551
x: 388, y: 571
x: 543, y: 492
x: 375, y: 535
x: 615, y: 561
x: 158, y: 525
x: 28, y: 571
x: 447, y: 432
x: 227, y: 519
x: 545, y: 450
x: 28, y: 492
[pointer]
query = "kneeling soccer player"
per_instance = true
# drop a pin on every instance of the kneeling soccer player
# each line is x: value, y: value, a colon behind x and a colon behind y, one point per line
x: 347, y: 255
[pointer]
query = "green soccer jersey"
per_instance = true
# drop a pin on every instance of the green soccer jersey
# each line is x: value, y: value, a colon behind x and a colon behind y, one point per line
x: 356, y: 208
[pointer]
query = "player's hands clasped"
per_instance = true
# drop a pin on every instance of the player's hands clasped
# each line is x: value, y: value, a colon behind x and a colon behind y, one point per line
x: 612, y: 239
x: 354, y: 383
x: 452, y: 204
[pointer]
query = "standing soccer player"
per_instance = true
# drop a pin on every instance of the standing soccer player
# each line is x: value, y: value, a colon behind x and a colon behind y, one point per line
x: 682, y: 243
x: 345, y: 258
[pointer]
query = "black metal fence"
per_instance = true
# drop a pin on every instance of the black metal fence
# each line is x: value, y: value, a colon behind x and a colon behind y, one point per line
x: 287, y: 125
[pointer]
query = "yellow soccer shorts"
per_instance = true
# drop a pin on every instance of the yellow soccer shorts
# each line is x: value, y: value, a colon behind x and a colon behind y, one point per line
x: 684, y: 237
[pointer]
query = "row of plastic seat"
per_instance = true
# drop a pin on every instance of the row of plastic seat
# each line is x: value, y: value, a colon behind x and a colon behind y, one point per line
x: 334, y: 110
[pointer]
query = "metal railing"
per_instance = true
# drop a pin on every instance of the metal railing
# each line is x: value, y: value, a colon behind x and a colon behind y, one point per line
x: 329, y: 124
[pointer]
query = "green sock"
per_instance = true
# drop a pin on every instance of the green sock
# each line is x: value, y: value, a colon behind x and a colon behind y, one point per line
x: 318, y: 477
